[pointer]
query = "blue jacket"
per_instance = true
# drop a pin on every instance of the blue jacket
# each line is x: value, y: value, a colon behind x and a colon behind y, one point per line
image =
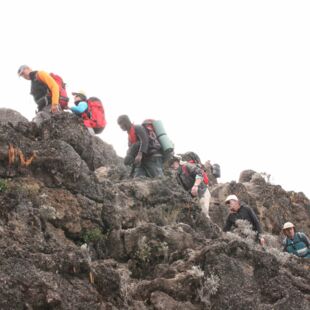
x: 80, y: 108
x: 299, y: 245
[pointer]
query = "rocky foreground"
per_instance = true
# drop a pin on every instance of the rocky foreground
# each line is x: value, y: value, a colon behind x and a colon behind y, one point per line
x: 76, y: 233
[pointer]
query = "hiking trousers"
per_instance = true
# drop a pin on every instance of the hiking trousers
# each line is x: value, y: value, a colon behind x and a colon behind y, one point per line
x: 151, y: 167
x: 204, y: 202
x: 43, y: 115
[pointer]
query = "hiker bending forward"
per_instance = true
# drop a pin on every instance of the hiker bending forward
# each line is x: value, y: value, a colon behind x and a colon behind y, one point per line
x: 240, y: 211
x: 145, y: 160
x: 44, y: 90
x: 190, y: 176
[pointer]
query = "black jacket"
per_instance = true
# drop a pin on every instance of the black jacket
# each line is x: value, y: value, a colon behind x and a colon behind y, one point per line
x: 38, y: 88
x: 244, y: 213
x: 142, y: 138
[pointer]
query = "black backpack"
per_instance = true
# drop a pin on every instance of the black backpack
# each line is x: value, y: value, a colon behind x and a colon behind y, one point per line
x: 154, y: 144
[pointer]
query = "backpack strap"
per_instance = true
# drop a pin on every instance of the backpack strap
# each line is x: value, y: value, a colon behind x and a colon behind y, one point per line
x: 300, y: 239
x: 285, y: 244
x: 184, y: 169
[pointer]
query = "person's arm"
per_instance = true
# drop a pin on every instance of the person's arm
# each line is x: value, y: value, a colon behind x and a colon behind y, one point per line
x: 254, y: 221
x: 51, y: 84
x: 305, y: 239
x: 228, y: 225
x: 143, y: 138
x: 131, y: 154
x: 256, y: 226
x: 198, y: 180
x: 196, y: 173
x: 80, y: 108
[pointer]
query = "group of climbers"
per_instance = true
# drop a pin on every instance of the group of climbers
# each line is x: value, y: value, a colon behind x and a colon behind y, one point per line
x: 145, y: 156
x: 148, y: 147
x: 49, y: 93
x: 296, y: 243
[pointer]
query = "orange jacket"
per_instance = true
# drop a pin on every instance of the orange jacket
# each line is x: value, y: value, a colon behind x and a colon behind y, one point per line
x: 51, y: 84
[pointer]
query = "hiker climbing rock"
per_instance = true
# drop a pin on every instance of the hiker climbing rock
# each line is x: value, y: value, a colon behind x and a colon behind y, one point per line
x: 91, y: 110
x: 240, y: 211
x: 48, y: 91
x: 194, y: 180
x: 296, y: 243
x: 144, y: 153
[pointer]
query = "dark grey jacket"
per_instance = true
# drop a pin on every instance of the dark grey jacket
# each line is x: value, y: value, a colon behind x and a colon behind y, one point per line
x: 244, y: 213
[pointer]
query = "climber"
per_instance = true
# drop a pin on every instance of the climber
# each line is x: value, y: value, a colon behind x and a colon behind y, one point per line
x: 91, y: 110
x: 296, y: 243
x: 190, y: 176
x: 48, y: 91
x: 145, y: 160
x: 240, y: 211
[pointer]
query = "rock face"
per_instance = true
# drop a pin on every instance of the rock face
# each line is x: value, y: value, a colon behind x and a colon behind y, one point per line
x: 76, y: 233
x: 11, y: 116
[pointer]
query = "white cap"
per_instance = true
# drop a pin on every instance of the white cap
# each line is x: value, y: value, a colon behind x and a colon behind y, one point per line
x: 288, y: 225
x: 231, y: 197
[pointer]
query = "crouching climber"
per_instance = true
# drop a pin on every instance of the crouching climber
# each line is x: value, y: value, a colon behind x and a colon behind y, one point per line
x: 91, y: 110
x: 191, y: 177
x: 240, y: 211
x: 48, y: 91
x: 296, y: 243
x: 145, y: 158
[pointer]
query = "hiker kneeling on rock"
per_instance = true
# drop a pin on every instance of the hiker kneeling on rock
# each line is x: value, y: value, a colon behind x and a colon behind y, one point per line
x: 91, y: 110
x: 190, y: 176
x: 142, y: 155
x: 296, y: 243
x: 240, y: 211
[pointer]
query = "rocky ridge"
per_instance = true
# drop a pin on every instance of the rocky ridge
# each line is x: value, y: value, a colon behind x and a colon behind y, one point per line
x: 76, y: 233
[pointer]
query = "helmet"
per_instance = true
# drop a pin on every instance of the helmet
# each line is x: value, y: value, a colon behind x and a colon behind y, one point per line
x: 288, y: 225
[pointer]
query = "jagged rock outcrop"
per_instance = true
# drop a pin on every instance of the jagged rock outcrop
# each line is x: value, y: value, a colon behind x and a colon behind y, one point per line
x: 75, y: 233
x: 10, y: 116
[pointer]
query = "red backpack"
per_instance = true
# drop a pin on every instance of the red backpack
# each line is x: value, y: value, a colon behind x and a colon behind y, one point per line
x: 95, y: 115
x: 63, y: 97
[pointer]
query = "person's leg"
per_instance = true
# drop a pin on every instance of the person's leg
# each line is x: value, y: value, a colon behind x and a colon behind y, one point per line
x: 91, y: 131
x: 204, y: 203
x: 45, y: 112
x: 138, y: 172
x: 154, y: 167
x: 43, y: 115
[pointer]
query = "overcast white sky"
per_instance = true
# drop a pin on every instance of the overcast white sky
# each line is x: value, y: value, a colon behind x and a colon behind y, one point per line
x: 229, y: 79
